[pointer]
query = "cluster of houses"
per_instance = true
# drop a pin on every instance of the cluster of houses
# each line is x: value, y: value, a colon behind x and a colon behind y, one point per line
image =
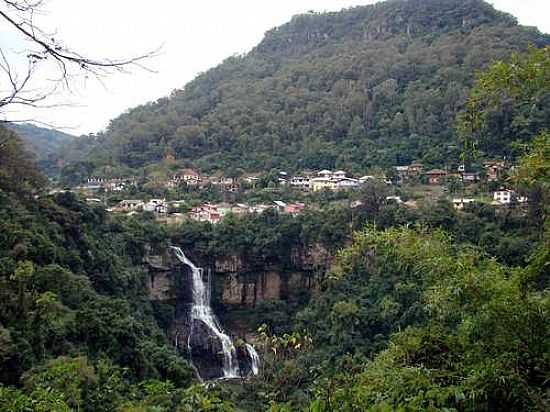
x: 327, y: 180
x: 116, y: 184
x: 308, y: 182
x: 208, y: 212
x: 314, y: 182
x: 135, y: 205
x: 192, y: 178
x: 493, y: 170
x: 213, y: 213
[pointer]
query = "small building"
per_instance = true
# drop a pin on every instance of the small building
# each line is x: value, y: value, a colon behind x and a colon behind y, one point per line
x: 260, y: 208
x: 459, y: 204
x: 324, y: 173
x: 240, y: 209
x: 470, y: 177
x: 280, y: 205
x: 156, y: 206
x: 494, y: 169
x: 189, y: 176
x: 366, y: 179
x: 321, y: 183
x: 394, y: 199
x: 504, y: 196
x: 339, y: 174
x: 346, y: 183
x: 206, y: 213
x: 294, y: 208
x: 251, y: 179
x: 436, y: 176
x: 301, y: 183
x: 415, y: 169
x: 130, y: 205
x: 402, y: 172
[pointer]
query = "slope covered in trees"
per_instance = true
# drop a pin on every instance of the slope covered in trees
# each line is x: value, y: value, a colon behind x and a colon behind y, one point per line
x: 375, y: 85
x: 44, y: 143
x: 41, y: 140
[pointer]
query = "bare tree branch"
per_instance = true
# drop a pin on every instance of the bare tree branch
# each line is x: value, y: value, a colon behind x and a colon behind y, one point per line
x: 19, y: 14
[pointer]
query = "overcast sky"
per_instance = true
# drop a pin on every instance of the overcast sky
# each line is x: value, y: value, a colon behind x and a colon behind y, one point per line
x: 195, y: 34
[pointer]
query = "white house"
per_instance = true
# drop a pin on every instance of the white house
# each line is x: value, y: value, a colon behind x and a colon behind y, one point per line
x: 339, y: 174
x: 504, y: 196
x: 281, y: 206
x: 346, y: 183
x: 365, y: 179
x: 321, y: 183
x: 394, y: 199
x: 461, y: 203
x: 155, y: 205
x: 130, y: 205
x: 301, y: 183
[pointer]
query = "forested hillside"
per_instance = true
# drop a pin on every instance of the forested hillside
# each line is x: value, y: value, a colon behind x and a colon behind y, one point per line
x: 43, y: 142
x: 374, y: 85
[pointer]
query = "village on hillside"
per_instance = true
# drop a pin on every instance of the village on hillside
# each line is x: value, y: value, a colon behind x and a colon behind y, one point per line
x: 304, y: 184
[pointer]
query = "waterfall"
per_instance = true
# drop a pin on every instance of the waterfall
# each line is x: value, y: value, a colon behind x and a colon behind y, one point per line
x: 254, y: 358
x: 201, y: 311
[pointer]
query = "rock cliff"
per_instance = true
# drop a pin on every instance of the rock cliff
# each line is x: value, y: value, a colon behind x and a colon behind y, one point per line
x: 238, y: 282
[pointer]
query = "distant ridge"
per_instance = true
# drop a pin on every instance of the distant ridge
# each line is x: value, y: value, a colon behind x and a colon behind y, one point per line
x: 42, y: 141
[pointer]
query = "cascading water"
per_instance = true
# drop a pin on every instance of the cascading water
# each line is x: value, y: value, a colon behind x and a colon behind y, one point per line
x: 254, y: 359
x: 201, y: 311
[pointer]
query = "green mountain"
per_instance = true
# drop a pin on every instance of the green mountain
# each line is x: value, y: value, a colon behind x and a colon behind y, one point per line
x: 42, y: 141
x: 44, y: 144
x: 374, y: 85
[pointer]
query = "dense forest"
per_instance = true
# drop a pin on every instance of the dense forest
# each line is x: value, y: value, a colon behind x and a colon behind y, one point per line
x: 425, y: 308
x: 375, y: 85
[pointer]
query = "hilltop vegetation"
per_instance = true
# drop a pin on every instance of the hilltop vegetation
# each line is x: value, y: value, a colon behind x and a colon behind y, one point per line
x: 376, y: 85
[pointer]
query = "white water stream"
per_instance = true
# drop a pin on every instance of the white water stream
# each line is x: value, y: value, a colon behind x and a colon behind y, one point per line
x: 201, y: 311
x: 254, y: 358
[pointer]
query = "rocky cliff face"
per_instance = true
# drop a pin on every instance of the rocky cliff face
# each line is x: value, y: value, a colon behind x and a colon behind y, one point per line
x: 239, y: 283
x: 243, y: 287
